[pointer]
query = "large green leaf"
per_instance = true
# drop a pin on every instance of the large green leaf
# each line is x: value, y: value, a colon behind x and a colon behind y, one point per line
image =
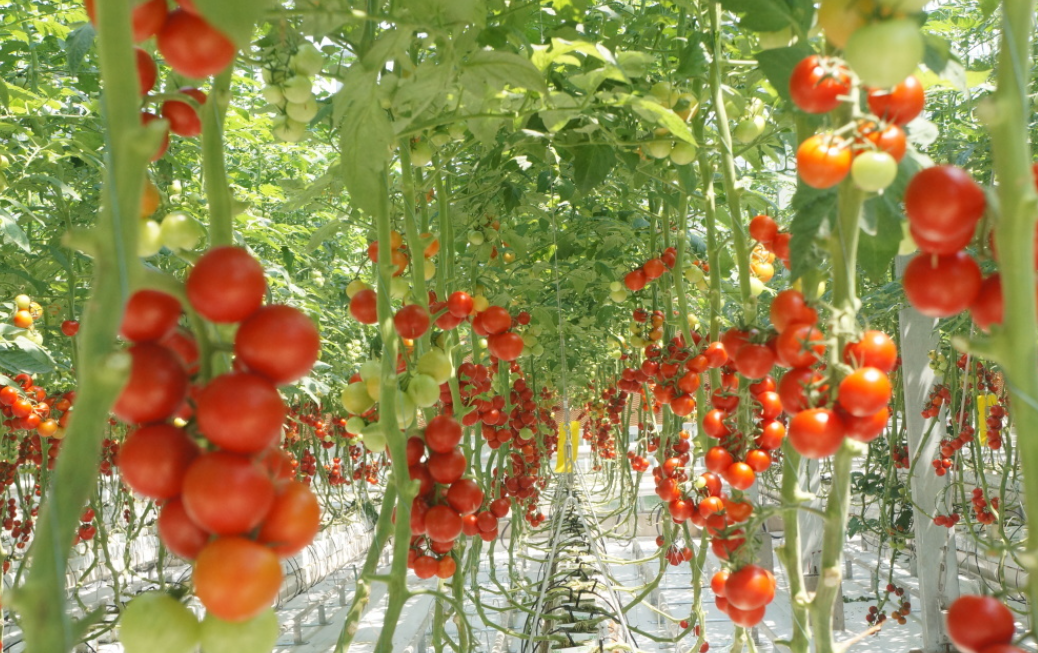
x: 12, y: 232
x: 591, y: 166
x: 77, y: 45
x: 491, y: 69
x: 366, y: 137
x: 876, y: 251
x: 235, y: 18
x: 23, y: 355
x: 655, y: 112
x: 811, y: 221
x: 777, y: 65
x: 442, y: 13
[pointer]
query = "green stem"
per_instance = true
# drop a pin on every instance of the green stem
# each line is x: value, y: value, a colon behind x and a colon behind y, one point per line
x: 214, y: 166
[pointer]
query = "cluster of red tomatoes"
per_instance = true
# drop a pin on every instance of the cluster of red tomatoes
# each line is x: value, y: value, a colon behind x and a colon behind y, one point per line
x: 765, y: 230
x: 981, y: 507
x: 744, y: 593
x: 447, y: 505
x: 899, y: 615
x: 942, y: 464
x: 674, y: 371
x: 653, y: 269
x: 604, y: 414
x: 228, y: 499
x: 981, y: 624
x: 28, y: 407
x: 820, y: 85
x: 188, y: 43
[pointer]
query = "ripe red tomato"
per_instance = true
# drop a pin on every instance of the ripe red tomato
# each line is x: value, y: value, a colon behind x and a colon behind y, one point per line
x: 683, y: 405
x: 900, y: 104
x: 156, y: 388
x: 442, y: 434
x: 193, y: 47
x: 147, y: 71
x: 740, y: 476
x: 70, y: 328
x: 147, y: 17
x: 500, y: 507
x: 864, y: 392
x: 460, y: 304
x: 754, y: 361
x: 817, y: 83
x: 654, y: 269
x: 758, y: 460
x: 750, y: 588
x: 718, y: 580
x: 890, y: 139
x: 790, y: 307
x: 446, y: 468
x: 823, y: 160
x: 763, y: 229
x: 793, y: 389
x: 180, y: 535
x: 239, y: 412
x: 496, y: 320
x: 183, y: 118
x: 150, y: 315
x: 227, y: 494
x: 443, y: 524
x: 364, y: 306
x: 864, y: 429
x: 636, y: 280
x: 279, y: 342
x: 154, y: 459
x: 800, y: 345
x: 506, y: 346
x: 714, y: 425
x: 943, y: 202
x: 875, y: 349
x: 226, y: 285
x: 182, y: 343
x: 411, y: 321
x: 293, y: 520
x: 815, y: 433
x: 465, y: 496
x: 941, y: 286
x: 718, y: 459
x: 236, y: 579
x: 746, y: 618
x: 976, y: 622
x: 989, y: 306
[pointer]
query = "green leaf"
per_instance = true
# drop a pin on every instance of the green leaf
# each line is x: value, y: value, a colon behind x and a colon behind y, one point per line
x: 813, y: 208
x: 441, y: 13
x: 777, y: 65
x: 235, y: 18
x: 657, y: 113
x: 495, y: 70
x: 591, y: 166
x: 23, y: 355
x: 876, y: 251
x: 77, y: 45
x: 12, y: 232
x: 366, y: 139
x: 323, y: 233
x: 5, y: 97
x: 692, y: 61
x: 939, y: 58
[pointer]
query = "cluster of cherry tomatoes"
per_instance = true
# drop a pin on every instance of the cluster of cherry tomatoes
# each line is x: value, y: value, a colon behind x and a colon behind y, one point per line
x: 765, y: 231
x: 27, y: 407
x: 904, y: 608
x: 228, y: 499
x: 942, y: 464
x: 984, y: 510
x: 651, y: 270
x: 743, y: 593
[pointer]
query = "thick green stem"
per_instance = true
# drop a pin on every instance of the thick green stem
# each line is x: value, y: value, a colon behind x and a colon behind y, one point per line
x: 41, y: 600
x: 214, y: 165
x: 789, y: 552
x: 1015, y: 235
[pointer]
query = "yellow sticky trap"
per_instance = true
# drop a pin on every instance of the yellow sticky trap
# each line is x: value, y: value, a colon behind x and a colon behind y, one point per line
x: 565, y: 457
x: 983, y: 402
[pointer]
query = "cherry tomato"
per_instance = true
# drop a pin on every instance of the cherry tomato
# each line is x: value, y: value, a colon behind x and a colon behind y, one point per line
x: 193, y: 47
x: 227, y: 494
x: 179, y: 533
x: 460, y: 304
x: 236, y: 579
x: 147, y: 17
x: 800, y: 345
x: 891, y: 139
x: 147, y: 71
x: 443, y: 524
x: 763, y: 228
x: 977, y: 622
x: 506, y: 346
x: 150, y: 315
x: 789, y: 307
x: 754, y: 361
x: 241, y: 413
x: 900, y: 104
x: 156, y: 388
x: 875, y: 349
x: 815, y: 433
x: 364, y: 306
x: 864, y: 392
x: 750, y: 588
x: 943, y: 202
x: 823, y: 161
x: 817, y: 84
x: 740, y: 476
x: 411, y: 321
x: 293, y: 520
x: 154, y: 459
x: 941, y: 286
x: 278, y: 342
x: 226, y: 285
x: 465, y: 496
x: 442, y: 434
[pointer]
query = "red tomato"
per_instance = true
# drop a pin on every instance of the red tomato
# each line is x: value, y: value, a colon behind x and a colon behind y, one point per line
x: 989, y: 307
x: 154, y: 459
x: 635, y: 280
x: 864, y: 429
x: 70, y: 328
x: 817, y: 84
x: 147, y: 18
x: 793, y: 389
x: 754, y: 361
x: 446, y: 468
x: 279, y: 342
x: 147, y: 71
x: 226, y: 285
x: 943, y: 202
x: 941, y: 286
x: 227, y: 494
x: 718, y: 459
x: 875, y: 349
x: 148, y: 118
x: 800, y: 345
x: 900, y: 104
x: 763, y: 228
x: 864, y: 392
x: 182, y: 343
x: 411, y: 321
x: 758, y: 460
x: 442, y: 434
x: 364, y: 306
x: 236, y: 579
x: 750, y: 588
x: 976, y: 622
x: 150, y: 315
x: 654, y: 269
x: 506, y: 346
x: 683, y: 405
x: 460, y: 304
x: 714, y: 424
x: 740, y: 476
x: 746, y: 618
x: 183, y: 118
x: 718, y: 581
x: 242, y: 413
x: 180, y: 535
x: 443, y: 524
x: 790, y: 307
x: 891, y: 139
x: 293, y: 520
x: 815, y: 433
x: 823, y: 160
x: 496, y: 320
x: 193, y: 47
x: 465, y: 496
x: 156, y: 388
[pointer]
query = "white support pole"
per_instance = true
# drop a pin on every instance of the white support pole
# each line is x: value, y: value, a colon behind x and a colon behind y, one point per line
x: 936, y: 561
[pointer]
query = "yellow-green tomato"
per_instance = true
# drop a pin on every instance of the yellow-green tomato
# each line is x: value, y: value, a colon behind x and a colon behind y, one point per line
x: 423, y: 390
x: 355, y: 398
x: 149, y: 238
x: 257, y: 635
x: 181, y: 231
x: 873, y: 171
x: 885, y: 53
x: 436, y: 364
x: 155, y: 622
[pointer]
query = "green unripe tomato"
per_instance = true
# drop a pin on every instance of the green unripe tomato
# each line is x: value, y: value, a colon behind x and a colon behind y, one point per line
x: 302, y: 112
x: 23, y: 302
x: 181, y: 231
x: 355, y: 399
x: 374, y: 438
x: 749, y: 130
x: 873, y: 171
x: 257, y: 635
x: 423, y: 390
x: 355, y: 425
x: 476, y: 238
x: 355, y: 287
x: 149, y: 238
x: 618, y: 296
x: 273, y: 95
x: 421, y: 154
x: 658, y: 149
x: 885, y: 53
x: 155, y: 622
x: 287, y: 130
x: 370, y: 369
x: 298, y: 89
x: 436, y: 364
x: 308, y: 60
x: 405, y: 408
x: 683, y: 153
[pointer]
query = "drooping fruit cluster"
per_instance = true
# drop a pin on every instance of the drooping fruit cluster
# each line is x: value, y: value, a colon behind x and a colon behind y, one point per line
x: 290, y: 90
x: 904, y: 607
x: 765, y: 231
x: 228, y: 499
x: 651, y: 270
x: 28, y: 407
x: 984, y: 510
x: 744, y: 593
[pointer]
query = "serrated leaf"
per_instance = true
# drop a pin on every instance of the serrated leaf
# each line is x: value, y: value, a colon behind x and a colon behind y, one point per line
x: 660, y: 114
x: 876, y: 251
x: 777, y: 65
x: 591, y: 166
x: 813, y: 208
x: 939, y: 58
x: 5, y: 97
x: 12, y: 232
x: 235, y: 18
x: 77, y: 45
x: 692, y: 61
x: 365, y: 140
x: 494, y: 69
x: 323, y: 233
x: 23, y: 355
